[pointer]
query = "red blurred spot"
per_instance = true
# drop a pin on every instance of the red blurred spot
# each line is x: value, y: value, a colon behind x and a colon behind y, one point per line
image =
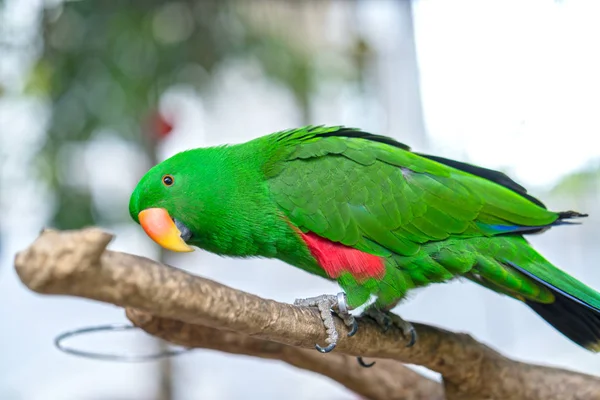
x: 158, y: 126
x: 162, y: 126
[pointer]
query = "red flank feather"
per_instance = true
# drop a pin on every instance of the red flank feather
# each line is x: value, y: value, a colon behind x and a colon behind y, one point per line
x: 336, y: 258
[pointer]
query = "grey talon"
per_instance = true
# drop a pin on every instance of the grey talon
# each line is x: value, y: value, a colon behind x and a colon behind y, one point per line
x: 354, y: 328
x: 326, y: 349
x: 413, y: 337
x: 362, y: 363
x: 387, y: 324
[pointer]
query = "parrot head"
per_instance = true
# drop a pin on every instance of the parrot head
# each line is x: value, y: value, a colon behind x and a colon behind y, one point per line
x: 159, y: 204
x: 186, y: 198
x: 205, y: 197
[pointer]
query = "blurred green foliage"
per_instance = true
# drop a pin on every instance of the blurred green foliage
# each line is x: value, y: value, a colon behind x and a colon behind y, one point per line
x: 579, y: 183
x: 104, y: 66
x: 106, y: 63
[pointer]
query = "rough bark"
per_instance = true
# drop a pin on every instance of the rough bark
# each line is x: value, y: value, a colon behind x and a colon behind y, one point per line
x: 190, y: 310
x: 390, y: 381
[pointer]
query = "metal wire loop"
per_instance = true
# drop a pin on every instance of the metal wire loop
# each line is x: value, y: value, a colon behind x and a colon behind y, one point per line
x: 58, y: 342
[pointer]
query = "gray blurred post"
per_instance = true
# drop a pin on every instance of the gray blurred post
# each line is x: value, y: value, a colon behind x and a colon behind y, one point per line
x: 165, y: 365
x: 165, y: 390
x: 403, y: 82
x: 397, y: 73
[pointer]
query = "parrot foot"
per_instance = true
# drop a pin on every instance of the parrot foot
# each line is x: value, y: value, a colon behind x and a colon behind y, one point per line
x: 327, y: 305
x: 386, y: 319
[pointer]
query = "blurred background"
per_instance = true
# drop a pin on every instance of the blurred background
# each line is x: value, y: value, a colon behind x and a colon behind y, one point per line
x: 93, y: 93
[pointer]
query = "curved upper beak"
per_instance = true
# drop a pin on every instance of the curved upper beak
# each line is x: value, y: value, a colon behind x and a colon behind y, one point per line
x: 158, y: 224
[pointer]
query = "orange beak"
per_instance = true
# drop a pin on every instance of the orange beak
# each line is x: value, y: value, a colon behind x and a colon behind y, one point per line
x: 157, y: 224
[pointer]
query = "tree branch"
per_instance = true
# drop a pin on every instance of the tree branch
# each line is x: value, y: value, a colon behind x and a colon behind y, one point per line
x: 77, y: 263
x: 390, y: 381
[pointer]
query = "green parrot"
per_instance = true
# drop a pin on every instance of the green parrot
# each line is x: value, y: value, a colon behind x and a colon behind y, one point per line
x: 365, y: 211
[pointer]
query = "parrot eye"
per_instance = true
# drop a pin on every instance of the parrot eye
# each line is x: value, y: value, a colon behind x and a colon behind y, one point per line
x: 168, y: 180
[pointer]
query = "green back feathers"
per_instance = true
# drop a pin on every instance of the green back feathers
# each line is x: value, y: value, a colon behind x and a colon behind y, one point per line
x: 373, y: 193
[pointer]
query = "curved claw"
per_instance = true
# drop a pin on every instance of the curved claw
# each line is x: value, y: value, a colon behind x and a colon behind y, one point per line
x: 387, y: 324
x: 362, y: 363
x: 325, y: 349
x: 413, y: 337
x: 354, y: 328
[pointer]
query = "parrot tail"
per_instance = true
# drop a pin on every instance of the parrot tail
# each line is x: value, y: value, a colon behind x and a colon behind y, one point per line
x: 571, y: 315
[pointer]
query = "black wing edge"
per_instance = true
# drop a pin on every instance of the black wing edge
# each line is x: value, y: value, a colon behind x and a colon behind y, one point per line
x: 356, y: 133
x: 485, y: 173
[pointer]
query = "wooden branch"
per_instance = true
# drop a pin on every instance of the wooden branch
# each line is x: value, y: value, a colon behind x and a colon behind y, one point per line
x: 77, y: 263
x: 390, y: 381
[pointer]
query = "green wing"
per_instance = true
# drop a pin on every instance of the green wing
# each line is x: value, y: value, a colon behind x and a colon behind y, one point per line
x: 360, y: 190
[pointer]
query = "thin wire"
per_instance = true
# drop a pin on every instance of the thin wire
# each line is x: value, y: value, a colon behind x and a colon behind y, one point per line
x: 109, y: 357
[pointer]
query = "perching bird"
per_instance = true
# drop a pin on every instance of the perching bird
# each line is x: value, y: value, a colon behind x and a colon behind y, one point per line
x: 366, y: 211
